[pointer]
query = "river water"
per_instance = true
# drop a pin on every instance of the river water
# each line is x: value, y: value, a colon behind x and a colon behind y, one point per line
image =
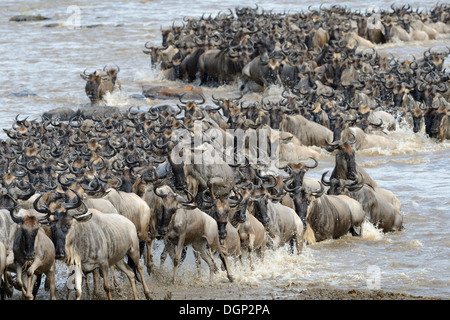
x: 46, y: 57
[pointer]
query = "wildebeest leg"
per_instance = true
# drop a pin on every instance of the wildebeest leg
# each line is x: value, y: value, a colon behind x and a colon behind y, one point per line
x: 205, y: 253
x: 50, y: 277
x: 224, y: 259
x: 150, y: 242
x: 131, y: 262
x: 251, y: 240
x: 130, y: 274
x: 176, y: 260
x: 106, y: 285
x: 115, y: 281
x: 77, y: 280
x: 291, y: 246
x: 29, y: 289
x: 169, y: 248
x: 36, y: 285
x: 353, y: 232
x: 133, y: 253
x: 95, y: 276
x: 19, y: 284
x: 197, y: 262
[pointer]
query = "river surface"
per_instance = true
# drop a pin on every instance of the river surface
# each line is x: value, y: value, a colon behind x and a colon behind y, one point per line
x: 45, y: 58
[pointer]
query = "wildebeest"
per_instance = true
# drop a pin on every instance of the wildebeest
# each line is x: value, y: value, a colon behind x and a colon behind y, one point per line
x: 308, y: 132
x: 133, y: 207
x: 263, y: 70
x: 346, y: 166
x: 2, y: 270
x: 34, y: 252
x: 251, y: 231
x: 328, y: 216
x: 219, y: 66
x: 394, y: 32
x: 89, y: 239
x: 282, y: 223
x: 437, y: 123
x: 185, y: 226
x: 379, y: 211
x: 100, y: 82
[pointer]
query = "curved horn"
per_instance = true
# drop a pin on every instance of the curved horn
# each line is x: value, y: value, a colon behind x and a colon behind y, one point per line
x: 325, y: 183
x: 316, y: 163
x: 12, y: 209
x: 318, y: 193
x: 68, y: 205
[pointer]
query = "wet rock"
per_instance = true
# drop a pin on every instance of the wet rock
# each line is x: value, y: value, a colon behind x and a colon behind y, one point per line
x: 89, y: 26
x: 62, y: 114
x: 162, y: 92
x: 22, y: 93
x: 26, y: 17
x: 136, y: 96
x: 51, y: 25
x: 99, y: 111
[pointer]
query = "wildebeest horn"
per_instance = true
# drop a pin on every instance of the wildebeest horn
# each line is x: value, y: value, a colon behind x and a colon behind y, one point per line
x: 325, y: 183
x: 356, y: 185
x: 352, y: 141
x: 43, y: 209
x: 318, y: 193
x: 85, y: 76
x: 12, y: 210
x: 72, y: 205
x: 316, y: 163
x: 183, y: 102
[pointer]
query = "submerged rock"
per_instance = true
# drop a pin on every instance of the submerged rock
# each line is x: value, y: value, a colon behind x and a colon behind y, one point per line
x: 99, y: 111
x: 62, y: 114
x: 26, y: 17
x: 22, y: 93
x: 162, y: 92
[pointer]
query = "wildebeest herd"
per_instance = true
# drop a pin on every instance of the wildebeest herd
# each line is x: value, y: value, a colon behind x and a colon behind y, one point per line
x: 97, y: 187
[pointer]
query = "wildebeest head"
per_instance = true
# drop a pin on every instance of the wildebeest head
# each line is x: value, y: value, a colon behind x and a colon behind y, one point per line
x: 240, y: 215
x: 271, y: 69
x: 297, y: 172
x: 112, y: 74
x: 339, y: 186
x: 62, y: 218
x: 25, y: 238
x: 260, y: 197
x: 417, y: 116
x: 260, y: 207
x: 302, y: 199
x: 171, y: 203
x: 435, y: 122
x: 99, y: 82
x: 345, y: 166
x: 220, y: 208
x: 93, y: 84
